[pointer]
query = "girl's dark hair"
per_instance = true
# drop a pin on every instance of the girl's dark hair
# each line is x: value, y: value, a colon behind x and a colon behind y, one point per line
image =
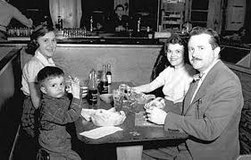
x: 176, y: 39
x: 39, y: 31
x: 48, y: 72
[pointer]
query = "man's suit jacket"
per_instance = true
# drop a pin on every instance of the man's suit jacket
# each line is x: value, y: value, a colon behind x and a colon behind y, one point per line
x: 212, y: 119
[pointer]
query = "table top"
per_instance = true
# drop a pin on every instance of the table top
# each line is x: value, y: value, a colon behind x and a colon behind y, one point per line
x: 135, y: 129
x: 130, y: 133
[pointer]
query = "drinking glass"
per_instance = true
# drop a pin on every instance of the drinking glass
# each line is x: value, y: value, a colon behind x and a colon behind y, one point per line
x: 117, y: 99
x: 68, y: 84
x: 84, y: 88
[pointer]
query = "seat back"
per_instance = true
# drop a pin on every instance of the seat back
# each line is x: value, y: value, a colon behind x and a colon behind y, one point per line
x: 244, y: 157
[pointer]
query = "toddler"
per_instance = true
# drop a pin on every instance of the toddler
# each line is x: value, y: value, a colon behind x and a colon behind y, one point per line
x: 56, y: 111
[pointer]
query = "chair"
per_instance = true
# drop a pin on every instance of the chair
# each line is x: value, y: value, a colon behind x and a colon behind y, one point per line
x: 160, y: 64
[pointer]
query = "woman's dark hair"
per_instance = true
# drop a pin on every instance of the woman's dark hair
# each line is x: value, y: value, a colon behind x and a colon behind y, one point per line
x: 39, y: 31
x: 176, y: 39
x: 49, y: 72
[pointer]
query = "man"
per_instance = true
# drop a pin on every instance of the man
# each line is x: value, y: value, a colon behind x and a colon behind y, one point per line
x: 212, y: 109
x: 119, y: 19
x: 7, y: 12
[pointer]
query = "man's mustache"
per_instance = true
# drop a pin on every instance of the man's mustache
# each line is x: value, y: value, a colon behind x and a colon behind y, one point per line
x: 194, y: 58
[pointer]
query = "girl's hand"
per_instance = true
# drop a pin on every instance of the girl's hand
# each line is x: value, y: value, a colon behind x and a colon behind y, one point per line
x: 158, y: 102
x: 136, y: 89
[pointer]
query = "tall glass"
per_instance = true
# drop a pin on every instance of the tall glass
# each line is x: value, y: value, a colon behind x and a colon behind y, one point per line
x: 117, y: 99
x: 84, y: 88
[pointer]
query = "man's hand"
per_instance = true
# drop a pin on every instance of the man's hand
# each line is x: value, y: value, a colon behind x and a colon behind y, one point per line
x: 156, y: 115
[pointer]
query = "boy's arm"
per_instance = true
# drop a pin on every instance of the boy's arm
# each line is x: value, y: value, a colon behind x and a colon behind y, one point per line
x: 57, y: 114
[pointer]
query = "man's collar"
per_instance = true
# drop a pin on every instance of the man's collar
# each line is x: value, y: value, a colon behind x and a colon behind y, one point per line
x: 198, y: 76
x: 202, y: 75
x: 209, y: 68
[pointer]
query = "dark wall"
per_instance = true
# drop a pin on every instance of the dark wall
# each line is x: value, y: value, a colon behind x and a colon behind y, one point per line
x: 34, y: 9
x: 248, y: 19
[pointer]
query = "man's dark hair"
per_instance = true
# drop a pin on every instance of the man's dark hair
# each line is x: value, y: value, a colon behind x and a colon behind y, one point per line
x: 49, y: 72
x: 215, y: 38
x: 119, y: 6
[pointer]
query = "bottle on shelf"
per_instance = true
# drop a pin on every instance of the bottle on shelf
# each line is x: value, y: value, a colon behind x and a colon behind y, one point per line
x: 139, y: 25
x: 104, y: 81
x: 60, y: 23
x: 91, y: 24
x: 93, y: 90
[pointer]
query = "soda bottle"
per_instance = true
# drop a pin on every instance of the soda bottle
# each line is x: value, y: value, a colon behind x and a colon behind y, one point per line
x: 93, y: 90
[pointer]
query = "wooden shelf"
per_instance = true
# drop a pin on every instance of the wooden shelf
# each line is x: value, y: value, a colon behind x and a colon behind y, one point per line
x: 172, y: 16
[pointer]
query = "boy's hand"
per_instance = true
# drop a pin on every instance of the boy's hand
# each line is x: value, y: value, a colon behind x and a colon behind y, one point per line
x: 75, y: 88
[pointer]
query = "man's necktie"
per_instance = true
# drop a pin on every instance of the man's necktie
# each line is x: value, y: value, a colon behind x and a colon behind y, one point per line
x: 196, y: 80
x: 193, y: 87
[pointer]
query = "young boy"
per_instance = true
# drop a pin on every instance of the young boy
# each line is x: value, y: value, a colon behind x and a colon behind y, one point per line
x: 56, y: 111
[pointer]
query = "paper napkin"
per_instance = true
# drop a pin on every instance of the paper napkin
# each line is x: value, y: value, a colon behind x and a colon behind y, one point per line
x: 100, y: 132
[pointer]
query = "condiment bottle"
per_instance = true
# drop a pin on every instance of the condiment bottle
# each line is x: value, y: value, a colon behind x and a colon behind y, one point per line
x: 109, y: 77
x: 104, y: 81
x: 109, y: 74
x: 93, y: 90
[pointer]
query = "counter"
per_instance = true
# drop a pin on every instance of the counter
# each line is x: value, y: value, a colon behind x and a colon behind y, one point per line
x: 98, y: 37
x: 132, y: 63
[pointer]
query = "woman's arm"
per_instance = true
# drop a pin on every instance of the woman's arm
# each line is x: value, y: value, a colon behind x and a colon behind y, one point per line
x: 35, y: 94
x: 149, y: 87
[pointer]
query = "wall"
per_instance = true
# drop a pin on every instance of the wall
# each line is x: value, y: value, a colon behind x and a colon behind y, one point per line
x: 10, y: 100
x: 132, y: 63
x: 235, y: 14
x: 245, y: 123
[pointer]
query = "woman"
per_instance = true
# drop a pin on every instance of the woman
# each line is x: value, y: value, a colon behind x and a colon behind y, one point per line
x: 176, y: 78
x: 43, y: 46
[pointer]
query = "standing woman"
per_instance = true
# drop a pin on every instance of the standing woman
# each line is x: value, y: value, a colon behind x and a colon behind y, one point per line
x: 7, y: 12
x: 43, y: 46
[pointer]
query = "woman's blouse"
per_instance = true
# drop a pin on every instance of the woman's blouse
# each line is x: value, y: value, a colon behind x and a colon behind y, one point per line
x: 175, y: 82
x: 31, y: 69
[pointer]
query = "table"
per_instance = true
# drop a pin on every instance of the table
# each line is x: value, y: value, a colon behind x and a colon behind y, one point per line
x: 129, y: 142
